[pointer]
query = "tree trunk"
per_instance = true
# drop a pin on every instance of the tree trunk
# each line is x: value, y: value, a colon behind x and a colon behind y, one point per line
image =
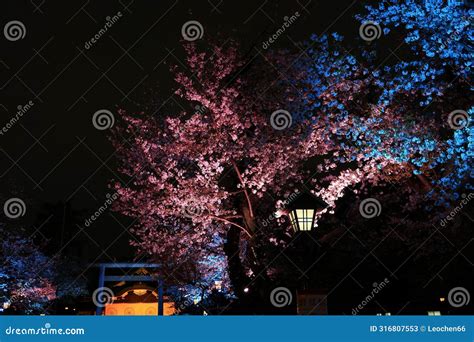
x: 426, y: 184
x: 237, y: 275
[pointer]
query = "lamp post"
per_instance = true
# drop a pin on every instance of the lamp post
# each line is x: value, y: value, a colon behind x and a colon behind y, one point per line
x: 303, y: 212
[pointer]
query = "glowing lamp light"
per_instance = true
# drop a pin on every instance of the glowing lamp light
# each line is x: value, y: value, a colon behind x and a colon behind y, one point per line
x: 303, y: 212
x: 140, y: 292
x: 218, y: 285
x: 246, y: 290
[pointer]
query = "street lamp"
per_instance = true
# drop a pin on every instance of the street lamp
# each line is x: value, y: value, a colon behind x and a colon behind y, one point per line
x: 303, y: 212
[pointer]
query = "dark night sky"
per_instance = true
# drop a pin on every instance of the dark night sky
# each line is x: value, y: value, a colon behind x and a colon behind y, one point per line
x: 54, y: 153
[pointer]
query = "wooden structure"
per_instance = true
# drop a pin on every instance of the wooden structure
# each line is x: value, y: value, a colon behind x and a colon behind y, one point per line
x: 103, y: 278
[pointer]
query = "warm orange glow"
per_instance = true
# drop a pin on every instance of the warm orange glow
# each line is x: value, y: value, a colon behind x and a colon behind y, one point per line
x: 138, y: 309
x: 302, y: 219
x: 140, y: 292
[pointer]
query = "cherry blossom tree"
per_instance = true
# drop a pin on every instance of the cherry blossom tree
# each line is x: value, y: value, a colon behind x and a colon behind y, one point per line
x: 30, y: 280
x: 203, y: 176
x: 206, y: 178
x: 403, y: 130
x: 401, y: 119
x: 26, y: 274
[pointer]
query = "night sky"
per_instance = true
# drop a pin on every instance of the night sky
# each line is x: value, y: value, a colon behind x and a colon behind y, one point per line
x: 63, y: 167
x: 54, y: 155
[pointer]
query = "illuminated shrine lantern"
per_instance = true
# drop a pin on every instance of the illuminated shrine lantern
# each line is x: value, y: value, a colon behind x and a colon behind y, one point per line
x: 303, y: 212
x: 139, y: 300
